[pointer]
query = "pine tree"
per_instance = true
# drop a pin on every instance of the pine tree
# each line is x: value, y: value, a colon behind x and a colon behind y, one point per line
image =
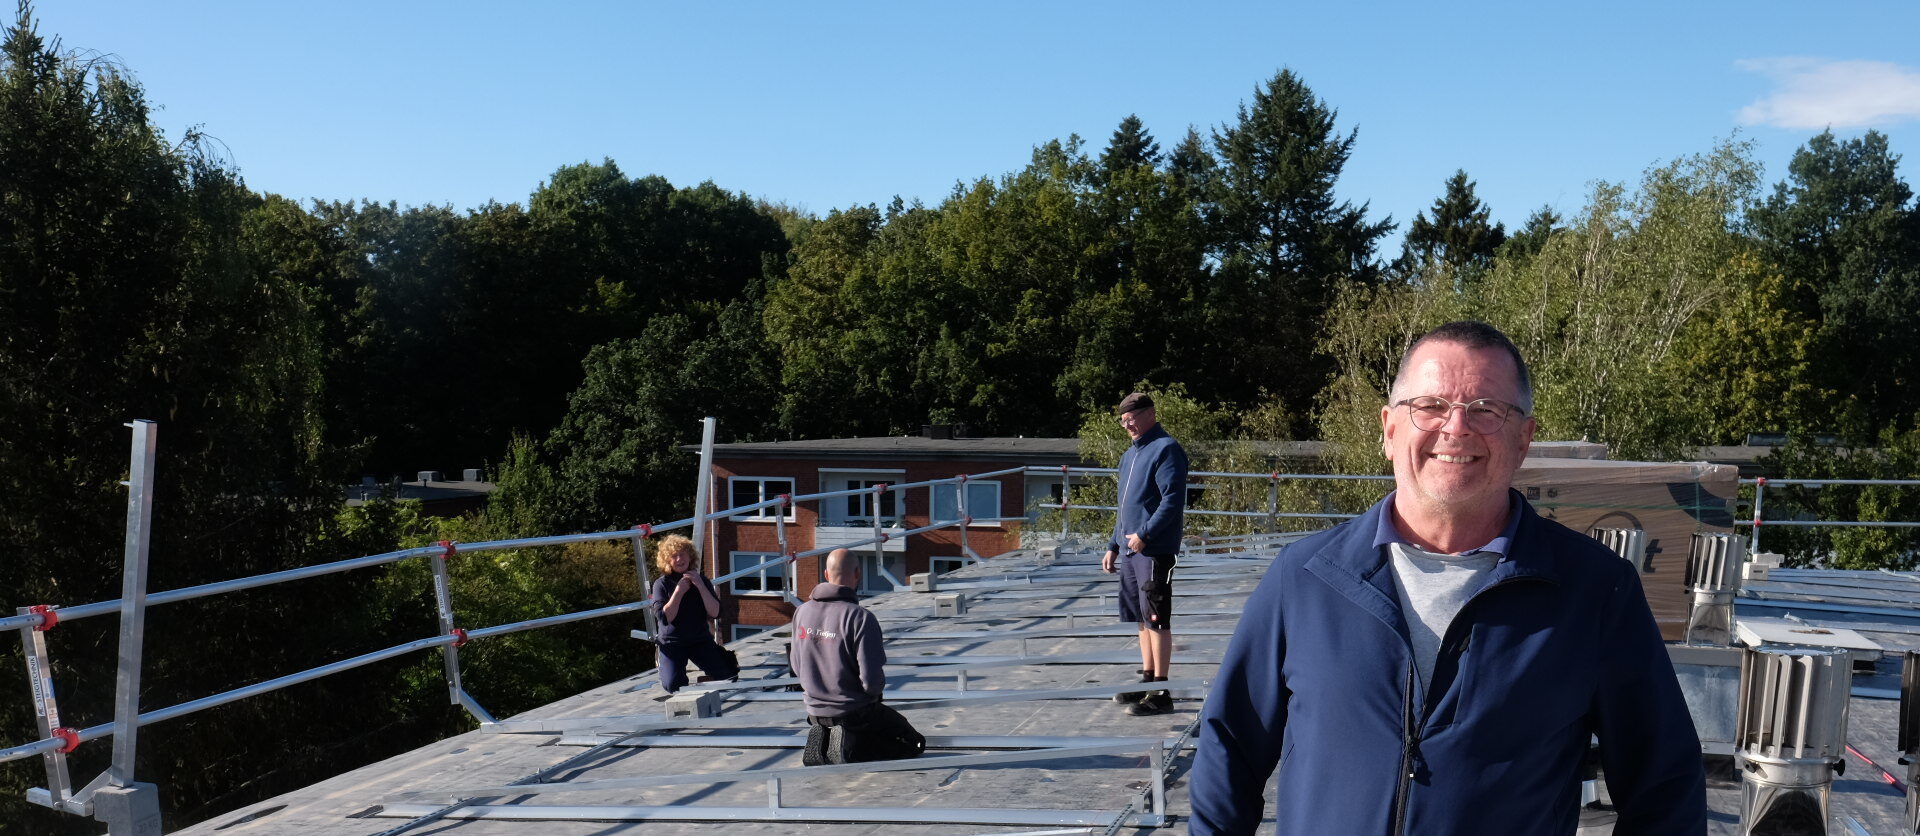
x: 1458, y: 236
x: 1284, y: 243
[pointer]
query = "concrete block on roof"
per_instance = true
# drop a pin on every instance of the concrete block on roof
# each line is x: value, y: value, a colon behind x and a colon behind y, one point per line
x: 949, y: 604
x: 923, y: 581
x: 693, y: 706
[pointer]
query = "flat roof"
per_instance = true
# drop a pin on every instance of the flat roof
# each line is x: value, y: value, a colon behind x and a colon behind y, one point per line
x: 1041, y: 653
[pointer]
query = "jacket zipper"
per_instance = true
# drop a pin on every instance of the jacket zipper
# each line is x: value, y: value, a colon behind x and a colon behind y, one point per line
x: 1406, y: 756
x: 1409, y: 736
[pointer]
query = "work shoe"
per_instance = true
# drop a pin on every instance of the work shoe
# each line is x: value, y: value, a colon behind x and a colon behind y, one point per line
x: 816, y: 752
x: 1157, y: 702
x: 1134, y: 696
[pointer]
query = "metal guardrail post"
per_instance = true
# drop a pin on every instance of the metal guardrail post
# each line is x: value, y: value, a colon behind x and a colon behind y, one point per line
x: 1273, y: 501
x: 700, y: 493
x: 1066, y: 499
x: 130, y: 808
x: 46, y: 710
x: 644, y: 574
x: 1759, y: 490
x: 443, y: 607
x: 966, y: 520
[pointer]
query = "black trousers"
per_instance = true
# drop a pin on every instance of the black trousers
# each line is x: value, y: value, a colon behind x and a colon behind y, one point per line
x: 715, y: 661
x: 874, y: 733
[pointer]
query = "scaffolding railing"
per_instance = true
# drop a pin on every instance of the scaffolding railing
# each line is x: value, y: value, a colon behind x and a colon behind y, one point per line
x: 1761, y: 483
x: 57, y: 740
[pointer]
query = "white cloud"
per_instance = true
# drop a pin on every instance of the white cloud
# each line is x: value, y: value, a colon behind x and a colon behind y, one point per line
x: 1811, y: 93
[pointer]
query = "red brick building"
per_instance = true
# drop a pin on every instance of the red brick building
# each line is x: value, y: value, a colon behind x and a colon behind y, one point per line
x: 750, y: 472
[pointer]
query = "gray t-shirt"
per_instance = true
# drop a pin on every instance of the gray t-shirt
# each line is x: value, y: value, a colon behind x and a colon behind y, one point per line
x: 1433, y: 587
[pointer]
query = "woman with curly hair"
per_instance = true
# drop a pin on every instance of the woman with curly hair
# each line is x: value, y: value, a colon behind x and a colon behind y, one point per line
x: 687, y: 606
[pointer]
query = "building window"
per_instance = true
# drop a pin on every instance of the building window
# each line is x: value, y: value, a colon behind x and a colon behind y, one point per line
x: 747, y: 490
x: 943, y: 565
x: 770, y: 580
x: 871, y: 581
x: 983, y: 502
x: 741, y: 631
x: 860, y: 509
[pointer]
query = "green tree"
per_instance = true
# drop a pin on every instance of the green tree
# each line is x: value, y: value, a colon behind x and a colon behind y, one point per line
x: 1844, y: 232
x: 1459, y: 234
x: 1284, y: 244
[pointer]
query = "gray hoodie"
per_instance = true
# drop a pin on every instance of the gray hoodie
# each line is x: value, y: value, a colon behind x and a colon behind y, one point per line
x: 836, y: 653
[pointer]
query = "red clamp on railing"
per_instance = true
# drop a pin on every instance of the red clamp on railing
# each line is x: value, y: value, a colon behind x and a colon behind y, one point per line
x: 447, y: 549
x: 1761, y: 481
x: 966, y: 521
x: 786, y: 499
x: 963, y: 478
x: 48, y: 617
x: 883, y: 537
x: 644, y: 529
x: 70, y: 738
x: 1275, y: 476
x: 459, y: 637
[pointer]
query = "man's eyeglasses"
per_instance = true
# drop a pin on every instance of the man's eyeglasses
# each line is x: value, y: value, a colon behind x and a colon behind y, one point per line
x: 1484, y: 416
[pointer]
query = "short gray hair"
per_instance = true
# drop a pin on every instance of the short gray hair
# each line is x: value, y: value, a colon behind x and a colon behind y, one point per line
x: 1469, y: 334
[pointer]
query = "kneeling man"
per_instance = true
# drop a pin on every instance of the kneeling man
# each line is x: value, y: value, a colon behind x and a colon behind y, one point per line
x: 837, y: 655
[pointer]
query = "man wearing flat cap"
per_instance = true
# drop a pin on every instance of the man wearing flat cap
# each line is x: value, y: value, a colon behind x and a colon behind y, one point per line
x: 1146, y: 536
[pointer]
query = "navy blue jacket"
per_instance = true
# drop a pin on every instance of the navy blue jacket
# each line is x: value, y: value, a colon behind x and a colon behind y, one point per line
x: 1557, y: 646
x: 1153, y: 494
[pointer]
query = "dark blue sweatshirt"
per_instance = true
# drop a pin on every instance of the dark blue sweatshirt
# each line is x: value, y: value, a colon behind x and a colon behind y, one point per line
x: 690, y: 621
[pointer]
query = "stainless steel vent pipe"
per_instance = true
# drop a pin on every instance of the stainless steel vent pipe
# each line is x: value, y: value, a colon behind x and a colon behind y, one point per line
x: 1791, y: 736
x: 1910, y: 734
x: 1713, y: 574
x: 1629, y: 543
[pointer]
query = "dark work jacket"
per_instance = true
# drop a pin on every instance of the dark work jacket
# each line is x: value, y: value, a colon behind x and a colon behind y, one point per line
x: 1153, y: 494
x: 1557, y: 645
x: 689, y: 623
x: 837, y: 653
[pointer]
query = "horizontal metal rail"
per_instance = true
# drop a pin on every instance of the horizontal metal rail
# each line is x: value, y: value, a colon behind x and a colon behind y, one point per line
x: 450, y: 794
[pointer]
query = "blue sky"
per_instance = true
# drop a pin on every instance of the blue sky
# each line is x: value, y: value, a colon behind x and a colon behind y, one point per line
x: 826, y: 105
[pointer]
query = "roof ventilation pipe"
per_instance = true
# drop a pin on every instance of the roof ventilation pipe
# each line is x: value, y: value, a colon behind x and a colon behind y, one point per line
x: 1791, y: 736
x: 1629, y: 543
x: 1713, y: 573
x: 1910, y: 734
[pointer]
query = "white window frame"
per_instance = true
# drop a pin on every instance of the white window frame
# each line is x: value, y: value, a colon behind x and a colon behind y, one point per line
x: 762, y: 514
x: 975, y: 504
x: 957, y: 562
x: 735, y: 631
x: 737, y: 561
x: 871, y: 581
x: 833, y: 512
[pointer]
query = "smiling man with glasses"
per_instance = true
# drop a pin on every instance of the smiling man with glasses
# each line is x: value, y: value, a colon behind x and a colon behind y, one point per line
x: 1440, y: 664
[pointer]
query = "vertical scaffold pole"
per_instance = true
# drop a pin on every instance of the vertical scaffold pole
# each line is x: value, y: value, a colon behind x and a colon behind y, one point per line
x: 1759, y: 489
x: 643, y: 573
x: 1066, y: 499
x: 879, y: 534
x: 46, y: 709
x: 966, y: 519
x: 1273, y: 502
x: 127, y: 807
x: 701, y: 492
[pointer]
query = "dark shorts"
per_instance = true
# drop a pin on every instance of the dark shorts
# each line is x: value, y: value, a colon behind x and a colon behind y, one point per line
x: 1146, y: 589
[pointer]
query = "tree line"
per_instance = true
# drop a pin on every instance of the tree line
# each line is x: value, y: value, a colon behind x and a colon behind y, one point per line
x: 569, y: 343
